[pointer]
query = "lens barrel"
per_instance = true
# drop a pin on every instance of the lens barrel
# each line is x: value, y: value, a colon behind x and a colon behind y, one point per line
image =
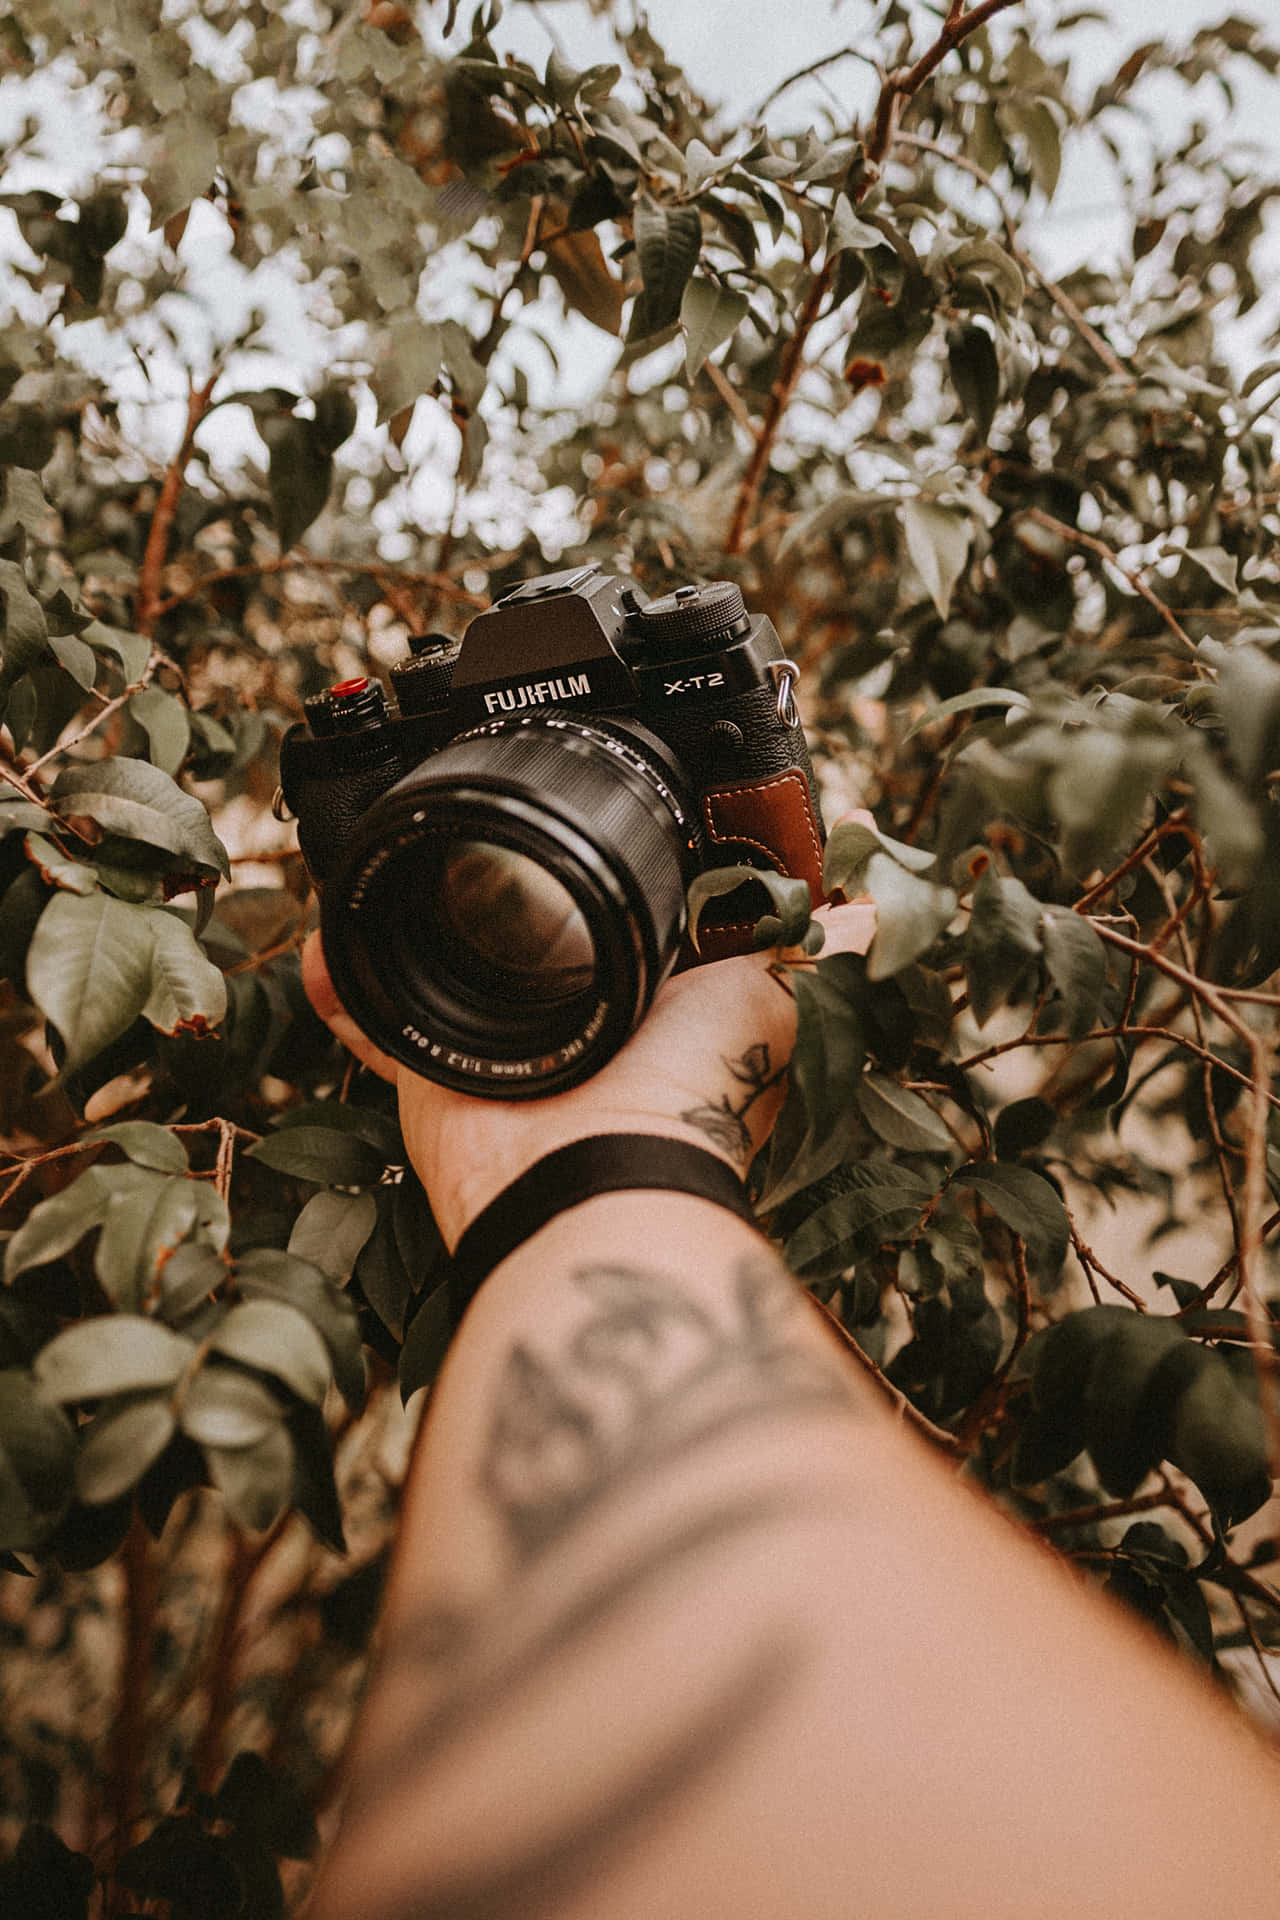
x: 503, y: 917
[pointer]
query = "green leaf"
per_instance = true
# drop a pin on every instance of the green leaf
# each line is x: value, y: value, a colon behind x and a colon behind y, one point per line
x: 55, y: 1225
x: 89, y: 970
x: 1007, y: 697
x: 848, y: 233
x: 299, y: 476
x: 119, y: 1444
x: 265, y: 1273
x: 1076, y: 963
x: 111, y: 1353
x: 1226, y: 816
x: 132, y: 650
x: 820, y: 1117
x: 1135, y: 1379
x: 24, y: 634
x: 163, y: 718
x: 335, y: 419
x: 975, y: 374
x: 1219, y: 1440
x: 425, y: 1343
x: 710, y: 314
x: 37, y: 1462
x: 1249, y: 695
x: 225, y: 1407
x: 325, y: 1155
x: 910, y: 914
x: 900, y: 1116
x: 983, y: 267
x: 331, y: 1230
x: 668, y: 241
x: 188, y: 993
x: 1002, y: 942
x: 21, y: 816
x: 790, y: 897
x: 57, y: 867
x: 189, y: 1278
x: 850, y: 845
x: 938, y: 540
x: 146, y: 1220
x: 138, y: 801
x: 256, y: 1481
x: 1026, y: 1202
x: 277, y: 1339
x: 409, y: 362
x: 1218, y: 564
x: 1039, y: 129
x: 146, y: 1144
x: 75, y: 658
x: 883, y: 1202
x: 181, y: 158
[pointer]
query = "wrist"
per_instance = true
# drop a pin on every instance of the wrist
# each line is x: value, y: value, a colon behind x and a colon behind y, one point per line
x: 570, y: 1176
x: 496, y: 1148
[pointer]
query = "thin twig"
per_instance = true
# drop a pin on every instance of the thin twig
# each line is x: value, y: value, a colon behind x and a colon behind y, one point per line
x: 1135, y: 580
x: 312, y: 563
x: 908, y: 1412
x: 1061, y: 299
x: 157, y: 547
x: 904, y: 81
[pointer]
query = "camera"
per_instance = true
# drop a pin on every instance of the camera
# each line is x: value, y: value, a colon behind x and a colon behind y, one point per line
x: 503, y: 849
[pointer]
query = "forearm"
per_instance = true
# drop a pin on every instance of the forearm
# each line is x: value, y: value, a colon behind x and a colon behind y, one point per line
x: 682, y: 1621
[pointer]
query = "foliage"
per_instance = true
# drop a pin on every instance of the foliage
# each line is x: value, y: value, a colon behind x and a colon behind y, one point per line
x: 1018, y: 530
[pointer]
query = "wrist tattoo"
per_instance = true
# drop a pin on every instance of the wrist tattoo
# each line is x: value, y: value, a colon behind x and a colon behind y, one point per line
x: 725, y: 1122
x: 648, y: 1378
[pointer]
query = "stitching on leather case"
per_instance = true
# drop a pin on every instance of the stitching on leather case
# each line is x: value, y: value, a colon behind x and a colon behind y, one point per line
x: 760, y: 786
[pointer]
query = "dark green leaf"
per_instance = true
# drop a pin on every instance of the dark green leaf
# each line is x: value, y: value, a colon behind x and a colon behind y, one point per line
x: 139, y: 802
x: 146, y: 1144
x: 1135, y: 1379
x: 1024, y: 1125
x: 668, y: 240
x: 975, y: 374
x: 1076, y: 963
x: 37, y: 1461
x: 426, y: 1343
x: 331, y: 1230
x: 265, y: 1273
x: 1026, y: 1202
x: 299, y: 475
x: 883, y: 1201
x: 255, y: 1480
x: 710, y: 314
x: 164, y: 720
x: 119, y: 1444
x: 1002, y: 942
x: 321, y: 1154
x: 900, y: 1116
x: 267, y: 1804
x: 1219, y: 1440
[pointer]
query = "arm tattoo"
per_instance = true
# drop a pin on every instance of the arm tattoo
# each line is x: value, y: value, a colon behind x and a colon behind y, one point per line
x: 726, y: 1123
x: 647, y: 1378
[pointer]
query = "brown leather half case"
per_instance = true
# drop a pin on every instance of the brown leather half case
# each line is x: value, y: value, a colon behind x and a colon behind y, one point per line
x: 775, y: 817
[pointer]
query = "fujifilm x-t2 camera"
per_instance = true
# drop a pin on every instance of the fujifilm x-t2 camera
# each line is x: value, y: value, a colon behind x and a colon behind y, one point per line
x: 502, y: 854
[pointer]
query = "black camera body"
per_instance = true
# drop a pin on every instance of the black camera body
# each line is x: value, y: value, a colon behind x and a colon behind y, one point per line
x: 503, y: 855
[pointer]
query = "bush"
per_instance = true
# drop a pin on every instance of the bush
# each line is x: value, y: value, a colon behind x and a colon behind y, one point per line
x: 1019, y: 531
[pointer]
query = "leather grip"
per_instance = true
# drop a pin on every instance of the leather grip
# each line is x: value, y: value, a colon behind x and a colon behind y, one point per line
x: 774, y: 817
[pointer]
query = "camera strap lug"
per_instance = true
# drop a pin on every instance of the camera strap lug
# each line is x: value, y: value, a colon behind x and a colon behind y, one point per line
x: 280, y: 808
x: 784, y: 674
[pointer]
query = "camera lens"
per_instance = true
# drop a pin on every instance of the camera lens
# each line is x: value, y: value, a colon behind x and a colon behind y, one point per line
x: 510, y: 922
x: 504, y: 916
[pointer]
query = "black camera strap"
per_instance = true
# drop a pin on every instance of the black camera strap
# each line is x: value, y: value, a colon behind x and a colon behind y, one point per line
x: 603, y: 1163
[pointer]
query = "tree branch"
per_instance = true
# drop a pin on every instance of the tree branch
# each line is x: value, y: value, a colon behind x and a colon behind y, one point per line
x: 904, y: 81
x: 162, y: 519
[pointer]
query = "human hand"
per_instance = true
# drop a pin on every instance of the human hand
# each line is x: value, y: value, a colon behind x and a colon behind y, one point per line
x: 707, y: 1064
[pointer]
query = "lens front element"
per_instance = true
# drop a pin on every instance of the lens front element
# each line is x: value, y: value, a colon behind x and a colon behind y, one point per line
x: 504, y: 916
x: 514, y: 923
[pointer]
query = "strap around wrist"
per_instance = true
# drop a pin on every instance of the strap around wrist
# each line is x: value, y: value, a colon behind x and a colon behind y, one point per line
x: 603, y: 1163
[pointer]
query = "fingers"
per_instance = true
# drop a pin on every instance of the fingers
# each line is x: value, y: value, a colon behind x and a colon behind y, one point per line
x: 323, y: 996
